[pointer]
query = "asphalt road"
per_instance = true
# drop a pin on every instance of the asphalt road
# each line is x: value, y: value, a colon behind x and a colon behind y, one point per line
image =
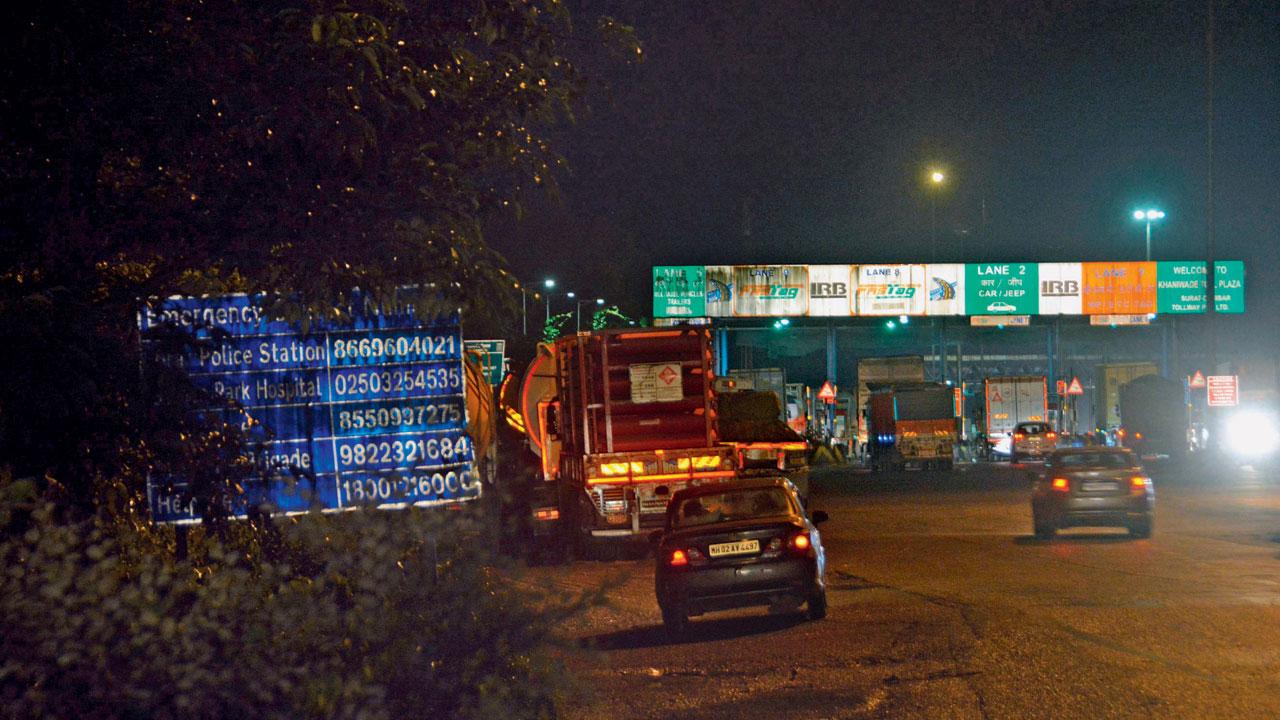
x: 944, y: 606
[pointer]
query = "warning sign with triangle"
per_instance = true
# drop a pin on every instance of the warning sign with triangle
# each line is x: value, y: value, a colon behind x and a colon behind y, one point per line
x: 827, y: 393
x: 1075, y: 388
x: 1197, y: 380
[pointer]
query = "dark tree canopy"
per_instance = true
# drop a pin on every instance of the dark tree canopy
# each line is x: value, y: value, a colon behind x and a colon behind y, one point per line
x: 154, y: 147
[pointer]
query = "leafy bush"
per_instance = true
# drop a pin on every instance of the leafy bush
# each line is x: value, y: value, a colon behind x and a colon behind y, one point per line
x: 363, y: 615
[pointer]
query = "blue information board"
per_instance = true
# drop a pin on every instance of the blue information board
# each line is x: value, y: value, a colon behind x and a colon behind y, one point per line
x: 367, y: 413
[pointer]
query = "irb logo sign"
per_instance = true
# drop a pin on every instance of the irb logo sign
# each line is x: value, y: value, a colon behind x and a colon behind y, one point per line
x: 828, y: 290
x: 1059, y: 288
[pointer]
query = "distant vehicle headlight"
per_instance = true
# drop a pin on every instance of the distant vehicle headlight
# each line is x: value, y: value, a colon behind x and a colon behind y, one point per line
x: 1252, y: 434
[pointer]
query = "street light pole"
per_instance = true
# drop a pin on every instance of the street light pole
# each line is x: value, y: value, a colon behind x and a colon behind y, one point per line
x: 937, y: 177
x: 550, y: 285
x: 1148, y: 216
x: 599, y: 301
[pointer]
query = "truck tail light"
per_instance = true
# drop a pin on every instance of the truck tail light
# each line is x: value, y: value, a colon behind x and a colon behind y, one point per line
x: 1061, y: 484
x: 1018, y: 436
x: 1138, y: 484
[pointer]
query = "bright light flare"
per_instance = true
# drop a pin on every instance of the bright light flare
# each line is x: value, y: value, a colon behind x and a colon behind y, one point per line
x: 1252, y: 434
x: 937, y: 177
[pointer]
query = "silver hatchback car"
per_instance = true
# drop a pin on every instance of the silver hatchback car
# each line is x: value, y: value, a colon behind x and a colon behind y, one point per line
x: 1032, y: 440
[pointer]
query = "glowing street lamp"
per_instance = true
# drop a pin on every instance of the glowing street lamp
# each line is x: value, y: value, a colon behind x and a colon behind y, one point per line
x: 1148, y: 216
x: 936, y: 179
x: 549, y: 284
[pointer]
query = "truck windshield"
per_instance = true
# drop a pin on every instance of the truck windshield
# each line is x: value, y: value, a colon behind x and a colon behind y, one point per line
x: 733, y: 505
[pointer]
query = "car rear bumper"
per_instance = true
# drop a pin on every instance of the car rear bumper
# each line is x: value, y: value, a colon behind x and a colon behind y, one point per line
x: 1099, y: 511
x: 701, y: 590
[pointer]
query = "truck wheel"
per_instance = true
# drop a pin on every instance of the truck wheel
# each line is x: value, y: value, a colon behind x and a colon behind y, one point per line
x: 675, y: 621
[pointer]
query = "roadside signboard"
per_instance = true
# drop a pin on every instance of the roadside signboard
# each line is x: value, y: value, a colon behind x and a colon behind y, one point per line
x: 492, y: 358
x: 1224, y: 390
x: 1062, y: 387
x: 679, y: 291
x: 1196, y: 381
x: 1075, y: 388
x: 370, y: 413
x: 999, y: 320
x: 1002, y: 288
x: 827, y: 393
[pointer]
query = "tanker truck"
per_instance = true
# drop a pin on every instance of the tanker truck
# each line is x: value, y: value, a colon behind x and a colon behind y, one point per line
x: 620, y: 420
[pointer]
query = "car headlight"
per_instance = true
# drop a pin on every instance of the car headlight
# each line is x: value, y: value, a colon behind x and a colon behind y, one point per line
x: 1252, y: 434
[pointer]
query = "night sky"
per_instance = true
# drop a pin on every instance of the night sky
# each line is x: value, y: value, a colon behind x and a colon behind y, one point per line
x: 802, y: 132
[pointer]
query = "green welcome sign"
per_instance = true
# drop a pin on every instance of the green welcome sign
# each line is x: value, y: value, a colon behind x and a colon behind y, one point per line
x: 679, y: 291
x: 1180, y: 287
x: 1002, y: 288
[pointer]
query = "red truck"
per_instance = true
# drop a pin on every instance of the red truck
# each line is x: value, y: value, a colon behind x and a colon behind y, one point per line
x: 911, y: 423
x: 621, y: 419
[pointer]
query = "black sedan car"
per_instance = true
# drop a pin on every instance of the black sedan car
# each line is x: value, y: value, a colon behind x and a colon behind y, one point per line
x: 739, y: 544
x: 1092, y: 486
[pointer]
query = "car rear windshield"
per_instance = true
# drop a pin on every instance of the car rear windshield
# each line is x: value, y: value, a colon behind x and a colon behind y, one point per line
x: 733, y: 505
x: 1095, y: 459
x: 1033, y: 429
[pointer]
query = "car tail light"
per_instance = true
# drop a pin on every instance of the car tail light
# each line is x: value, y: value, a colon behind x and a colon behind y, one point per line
x: 679, y: 558
x: 800, y: 542
x: 1061, y: 484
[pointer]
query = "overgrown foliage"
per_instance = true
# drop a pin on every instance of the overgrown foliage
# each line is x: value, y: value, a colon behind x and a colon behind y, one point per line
x: 368, y: 615
x: 299, y: 148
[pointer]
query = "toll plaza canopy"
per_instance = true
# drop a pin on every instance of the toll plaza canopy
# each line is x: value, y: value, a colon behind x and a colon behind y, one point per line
x: 1072, y: 288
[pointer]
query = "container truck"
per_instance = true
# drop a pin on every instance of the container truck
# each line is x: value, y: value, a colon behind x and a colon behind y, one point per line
x: 770, y: 380
x: 896, y: 369
x: 620, y: 419
x: 1111, y: 377
x: 911, y: 423
x: 1155, y: 416
x: 1012, y: 400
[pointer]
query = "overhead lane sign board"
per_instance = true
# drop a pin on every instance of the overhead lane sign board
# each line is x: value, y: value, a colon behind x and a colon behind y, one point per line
x: 940, y: 290
x: 1002, y: 288
x: 831, y: 290
x: 370, y: 413
x: 679, y: 291
x: 945, y: 285
x: 891, y: 290
x: 771, y: 290
x: 1119, y: 288
x: 1181, y: 287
